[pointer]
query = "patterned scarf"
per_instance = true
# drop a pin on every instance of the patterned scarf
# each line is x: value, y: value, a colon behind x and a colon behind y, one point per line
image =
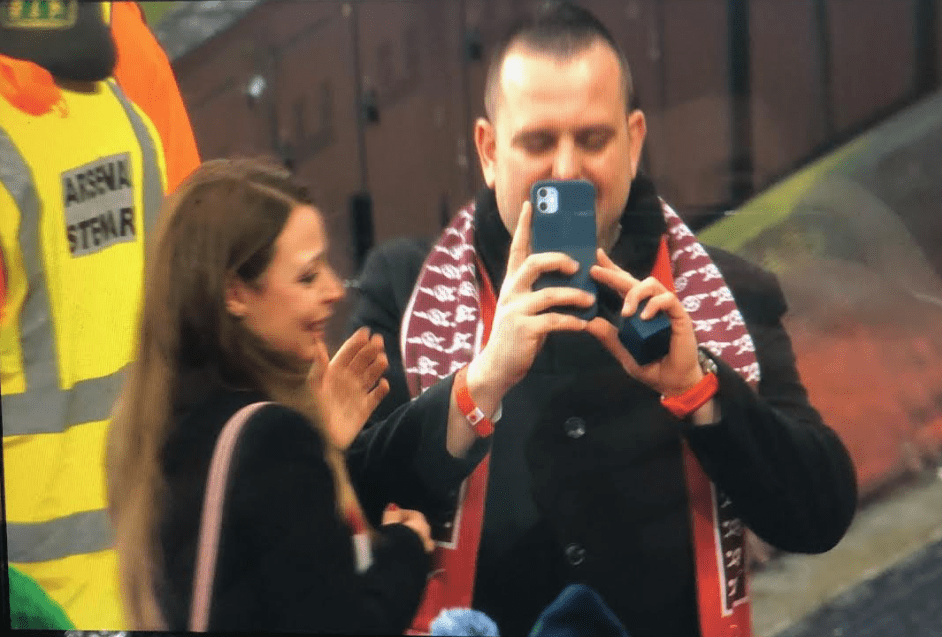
x: 447, y: 322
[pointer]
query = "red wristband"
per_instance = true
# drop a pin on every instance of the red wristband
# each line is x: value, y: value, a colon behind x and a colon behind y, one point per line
x: 682, y: 405
x: 479, y: 422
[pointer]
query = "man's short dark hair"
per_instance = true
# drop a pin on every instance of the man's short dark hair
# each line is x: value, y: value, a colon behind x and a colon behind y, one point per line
x: 557, y: 28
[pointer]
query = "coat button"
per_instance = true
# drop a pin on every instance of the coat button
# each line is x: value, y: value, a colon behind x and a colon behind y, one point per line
x: 575, y: 554
x: 575, y: 427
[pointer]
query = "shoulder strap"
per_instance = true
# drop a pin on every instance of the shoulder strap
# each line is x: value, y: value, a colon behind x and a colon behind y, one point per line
x: 211, y: 521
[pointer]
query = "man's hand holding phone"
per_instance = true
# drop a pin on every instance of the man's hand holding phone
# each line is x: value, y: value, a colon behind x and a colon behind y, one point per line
x: 523, y: 317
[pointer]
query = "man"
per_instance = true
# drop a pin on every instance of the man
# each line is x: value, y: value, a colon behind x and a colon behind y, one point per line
x: 637, y: 481
x: 81, y: 181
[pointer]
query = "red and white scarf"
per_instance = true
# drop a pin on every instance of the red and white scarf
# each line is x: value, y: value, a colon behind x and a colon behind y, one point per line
x: 447, y: 322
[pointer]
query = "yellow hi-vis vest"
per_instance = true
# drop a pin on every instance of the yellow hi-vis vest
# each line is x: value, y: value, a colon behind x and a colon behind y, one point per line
x: 79, y: 188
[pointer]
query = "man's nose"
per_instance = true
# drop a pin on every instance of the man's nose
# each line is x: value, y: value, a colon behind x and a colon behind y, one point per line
x: 566, y: 161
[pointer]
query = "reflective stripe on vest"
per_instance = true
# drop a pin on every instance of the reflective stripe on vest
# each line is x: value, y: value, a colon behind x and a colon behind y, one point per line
x: 44, y: 407
x: 85, y: 532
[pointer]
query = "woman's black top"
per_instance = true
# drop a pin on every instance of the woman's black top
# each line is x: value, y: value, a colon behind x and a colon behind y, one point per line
x: 286, y: 558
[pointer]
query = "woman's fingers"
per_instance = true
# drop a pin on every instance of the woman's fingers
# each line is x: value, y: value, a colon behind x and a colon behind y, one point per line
x: 367, y: 355
x: 372, y: 374
x: 417, y: 522
x: 392, y: 514
x: 376, y: 395
x: 412, y: 519
x: 351, y: 347
x: 319, y: 365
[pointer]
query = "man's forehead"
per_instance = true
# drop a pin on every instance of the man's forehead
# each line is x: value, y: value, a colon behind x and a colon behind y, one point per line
x: 521, y: 61
x: 534, y: 77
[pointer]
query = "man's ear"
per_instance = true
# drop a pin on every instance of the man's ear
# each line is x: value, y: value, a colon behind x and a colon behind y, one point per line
x: 237, y: 296
x: 486, y: 144
x: 637, y: 130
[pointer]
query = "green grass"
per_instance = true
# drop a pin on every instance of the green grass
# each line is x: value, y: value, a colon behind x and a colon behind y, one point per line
x: 772, y: 206
x: 154, y: 11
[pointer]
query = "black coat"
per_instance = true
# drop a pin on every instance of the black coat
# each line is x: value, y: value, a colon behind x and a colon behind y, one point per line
x: 286, y: 560
x: 609, y: 507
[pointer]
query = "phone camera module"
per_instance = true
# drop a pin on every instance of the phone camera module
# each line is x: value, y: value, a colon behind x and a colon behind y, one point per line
x: 547, y: 199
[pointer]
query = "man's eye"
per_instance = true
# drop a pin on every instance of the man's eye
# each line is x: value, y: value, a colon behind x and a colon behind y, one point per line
x: 537, y: 143
x: 309, y: 277
x: 595, y: 140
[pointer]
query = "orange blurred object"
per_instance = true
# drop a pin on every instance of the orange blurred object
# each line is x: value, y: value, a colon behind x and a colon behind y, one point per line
x: 28, y: 86
x: 144, y: 73
x: 880, y: 389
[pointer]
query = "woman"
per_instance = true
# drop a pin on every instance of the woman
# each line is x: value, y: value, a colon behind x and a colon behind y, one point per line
x: 236, y: 304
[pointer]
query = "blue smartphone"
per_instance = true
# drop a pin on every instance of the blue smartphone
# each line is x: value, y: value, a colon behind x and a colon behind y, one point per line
x: 564, y: 221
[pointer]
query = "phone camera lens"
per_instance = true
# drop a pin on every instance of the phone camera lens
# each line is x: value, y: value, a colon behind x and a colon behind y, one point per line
x: 542, y: 192
x: 542, y: 206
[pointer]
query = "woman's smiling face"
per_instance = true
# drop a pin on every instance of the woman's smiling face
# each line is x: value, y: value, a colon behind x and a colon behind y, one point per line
x: 290, y: 304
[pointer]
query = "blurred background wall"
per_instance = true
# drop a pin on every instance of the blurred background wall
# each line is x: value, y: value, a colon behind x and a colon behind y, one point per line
x: 373, y: 101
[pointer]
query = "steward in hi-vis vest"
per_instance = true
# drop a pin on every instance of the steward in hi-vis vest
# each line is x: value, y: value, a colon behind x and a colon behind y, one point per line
x: 82, y: 176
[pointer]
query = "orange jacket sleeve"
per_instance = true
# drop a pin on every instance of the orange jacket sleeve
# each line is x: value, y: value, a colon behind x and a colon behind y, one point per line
x: 143, y: 72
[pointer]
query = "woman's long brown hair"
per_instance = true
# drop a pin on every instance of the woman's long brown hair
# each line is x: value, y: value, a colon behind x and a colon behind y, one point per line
x: 222, y: 222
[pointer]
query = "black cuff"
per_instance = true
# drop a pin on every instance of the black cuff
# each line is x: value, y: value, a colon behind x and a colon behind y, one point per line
x: 730, y: 384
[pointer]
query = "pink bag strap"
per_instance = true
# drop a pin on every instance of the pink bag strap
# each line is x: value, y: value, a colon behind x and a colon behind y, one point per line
x: 211, y: 521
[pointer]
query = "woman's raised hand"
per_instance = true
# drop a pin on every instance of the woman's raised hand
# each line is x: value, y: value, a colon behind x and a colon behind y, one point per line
x: 350, y: 385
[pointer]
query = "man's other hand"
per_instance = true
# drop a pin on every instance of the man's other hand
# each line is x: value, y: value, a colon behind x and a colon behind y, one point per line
x: 679, y: 370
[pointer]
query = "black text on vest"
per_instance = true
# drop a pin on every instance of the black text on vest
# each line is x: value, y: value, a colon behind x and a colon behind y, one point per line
x: 98, y: 199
